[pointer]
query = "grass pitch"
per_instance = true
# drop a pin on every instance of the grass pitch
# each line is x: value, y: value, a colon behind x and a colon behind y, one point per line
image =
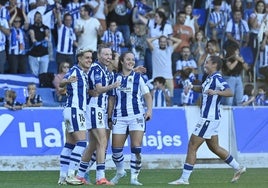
x: 201, y: 178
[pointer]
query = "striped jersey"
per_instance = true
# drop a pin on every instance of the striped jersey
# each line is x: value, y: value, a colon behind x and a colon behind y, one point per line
x: 3, y: 23
x: 4, y: 13
x: 210, y: 108
x: 99, y: 74
x: 66, y: 38
x: 159, y: 99
x: 73, y: 9
x: 129, y: 95
x: 77, y: 91
x: 217, y: 17
x: 115, y: 38
x: 16, y: 40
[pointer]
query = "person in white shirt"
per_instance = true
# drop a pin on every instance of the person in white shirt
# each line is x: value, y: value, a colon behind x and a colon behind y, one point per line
x: 87, y: 29
x: 161, y: 58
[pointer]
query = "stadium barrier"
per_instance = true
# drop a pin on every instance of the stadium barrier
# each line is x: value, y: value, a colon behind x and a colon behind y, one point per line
x: 32, y: 138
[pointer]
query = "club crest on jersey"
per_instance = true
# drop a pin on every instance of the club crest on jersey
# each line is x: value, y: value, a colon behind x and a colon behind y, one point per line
x: 130, y: 79
x: 97, y: 77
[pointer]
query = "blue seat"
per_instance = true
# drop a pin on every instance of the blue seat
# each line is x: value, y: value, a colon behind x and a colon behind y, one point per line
x: 247, y: 54
x: 47, y: 97
x: 203, y: 16
x: 21, y: 94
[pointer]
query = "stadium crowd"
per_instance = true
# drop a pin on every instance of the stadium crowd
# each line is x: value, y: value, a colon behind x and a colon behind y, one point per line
x: 38, y: 35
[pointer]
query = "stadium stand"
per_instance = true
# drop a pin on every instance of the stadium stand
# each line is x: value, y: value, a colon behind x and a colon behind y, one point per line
x: 47, y: 97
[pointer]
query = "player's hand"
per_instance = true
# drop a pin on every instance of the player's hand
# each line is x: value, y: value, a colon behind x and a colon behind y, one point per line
x: 148, y: 115
x: 72, y: 79
x: 211, y: 92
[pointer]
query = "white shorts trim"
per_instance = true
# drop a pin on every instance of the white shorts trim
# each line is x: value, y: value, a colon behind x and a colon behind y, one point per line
x: 206, y: 128
x: 96, y: 118
x: 121, y: 125
x: 74, y: 119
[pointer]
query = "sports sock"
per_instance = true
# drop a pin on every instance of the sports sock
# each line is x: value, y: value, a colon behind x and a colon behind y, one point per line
x: 76, y: 157
x: 232, y: 162
x: 186, y: 172
x: 65, y: 159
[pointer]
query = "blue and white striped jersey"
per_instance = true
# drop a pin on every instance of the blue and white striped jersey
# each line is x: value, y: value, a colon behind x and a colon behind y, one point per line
x: 77, y: 91
x: 210, y: 108
x: 217, y: 17
x: 129, y: 94
x: 159, y: 99
x: 16, y: 40
x: 66, y: 38
x: 99, y: 74
x: 4, y: 24
x: 73, y: 9
x: 116, y: 39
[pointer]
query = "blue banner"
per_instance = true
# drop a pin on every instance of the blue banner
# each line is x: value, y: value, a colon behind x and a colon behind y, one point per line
x: 251, y: 126
x: 37, y: 132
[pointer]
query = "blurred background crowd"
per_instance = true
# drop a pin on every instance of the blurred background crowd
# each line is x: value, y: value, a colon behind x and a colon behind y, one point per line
x: 170, y: 38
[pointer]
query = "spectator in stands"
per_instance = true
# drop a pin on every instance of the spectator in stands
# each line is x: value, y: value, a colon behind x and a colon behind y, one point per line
x: 256, y: 19
x: 33, y: 99
x: 183, y: 32
x: 187, y: 94
x: 212, y: 90
x: 140, y: 7
x: 66, y: 39
x: 13, y: 8
x: 191, y: 20
x: 261, y: 96
x: 4, y: 12
x: 100, y: 11
x: 87, y: 30
x: 237, y: 5
x: 161, y: 58
x: 10, y: 101
x: 32, y: 4
x: 198, y: 47
x: 212, y: 48
x: 113, y: 37
x: 217, y: 23
x: 73, y: 8
x: 38, y: 53
x: 119, y: 11
x: 138, y: 43
x: 186, y: 61
x: 61, y: 92
x: 157, y: 27
x: 249, y: 9
x: 263, y: 62
x: 4, y: 32
x: 17, y: 52
x: 232, y: 68
x: 23, y: 5
x: 47, y: 12
x: 237, y: 31
x: 160, y: 94
x: 248, y: 97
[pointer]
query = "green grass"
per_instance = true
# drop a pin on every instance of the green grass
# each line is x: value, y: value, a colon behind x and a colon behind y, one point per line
x: 201, y: 178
